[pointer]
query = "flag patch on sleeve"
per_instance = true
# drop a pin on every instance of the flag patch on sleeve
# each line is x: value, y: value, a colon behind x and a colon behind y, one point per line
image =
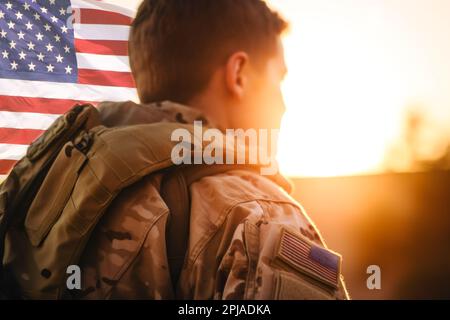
x: 307, y: 257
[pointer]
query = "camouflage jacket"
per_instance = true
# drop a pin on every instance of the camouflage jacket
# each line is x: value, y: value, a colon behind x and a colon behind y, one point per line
x: 248, y: 238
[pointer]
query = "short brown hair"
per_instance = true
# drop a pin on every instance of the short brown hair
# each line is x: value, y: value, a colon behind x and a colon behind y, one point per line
x: 175, y: 45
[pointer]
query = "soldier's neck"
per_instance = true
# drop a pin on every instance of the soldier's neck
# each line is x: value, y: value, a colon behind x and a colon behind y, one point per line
x: 214, y: 109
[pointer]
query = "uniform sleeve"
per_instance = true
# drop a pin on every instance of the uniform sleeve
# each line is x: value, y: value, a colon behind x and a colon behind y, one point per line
x: 271, y: 258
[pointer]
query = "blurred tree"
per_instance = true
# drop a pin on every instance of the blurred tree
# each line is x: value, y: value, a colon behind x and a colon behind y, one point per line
x: 422, y: 146
x: 413, y: 251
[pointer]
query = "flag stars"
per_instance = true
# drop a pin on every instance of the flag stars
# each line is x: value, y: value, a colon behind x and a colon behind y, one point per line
x: 68, y: 70
x: 49, y: 47
x: 14, y: 65
x: 31, y: 46
x: 50, y: 68
x: 22, y: 55
x: 30, y: 28
x: 31, y: 66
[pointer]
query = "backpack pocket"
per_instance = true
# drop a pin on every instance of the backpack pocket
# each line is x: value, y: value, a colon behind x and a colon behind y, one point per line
x: 54, y: 193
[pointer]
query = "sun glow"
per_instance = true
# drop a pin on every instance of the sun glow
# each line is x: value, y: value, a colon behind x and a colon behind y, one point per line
x: 354, y: 68
x: 343, y: 106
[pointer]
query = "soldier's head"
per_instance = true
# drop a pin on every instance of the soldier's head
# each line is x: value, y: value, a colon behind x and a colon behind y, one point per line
x: 222, y: 56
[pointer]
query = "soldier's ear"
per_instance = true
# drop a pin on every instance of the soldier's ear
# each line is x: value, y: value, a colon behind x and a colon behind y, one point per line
x: 236, y: 74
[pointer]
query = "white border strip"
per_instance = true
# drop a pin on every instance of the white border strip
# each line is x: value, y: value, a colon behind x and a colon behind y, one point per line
x: 103, y: 62
x: 101, y: 32
x: 26, y: 120
x: 12, y: 151
x: 72, y: 91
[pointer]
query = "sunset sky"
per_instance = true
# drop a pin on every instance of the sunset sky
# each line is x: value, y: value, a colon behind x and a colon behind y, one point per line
x: 355, y: 66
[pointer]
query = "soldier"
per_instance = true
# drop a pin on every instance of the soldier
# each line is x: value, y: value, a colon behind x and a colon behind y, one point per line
x: 220, y: 61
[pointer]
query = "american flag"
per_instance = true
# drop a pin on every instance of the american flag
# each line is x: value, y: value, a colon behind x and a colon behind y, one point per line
x: 310, y: 258
x: 54, y: 54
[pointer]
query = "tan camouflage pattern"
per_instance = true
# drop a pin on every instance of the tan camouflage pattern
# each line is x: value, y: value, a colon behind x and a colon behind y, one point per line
x: 235, y: 224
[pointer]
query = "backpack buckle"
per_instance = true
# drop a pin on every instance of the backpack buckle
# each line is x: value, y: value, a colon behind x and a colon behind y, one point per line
x: 83, y: 142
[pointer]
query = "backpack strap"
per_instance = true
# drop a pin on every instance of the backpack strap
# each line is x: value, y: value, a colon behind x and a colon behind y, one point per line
x: 175, y: 189
x: 175, y: 193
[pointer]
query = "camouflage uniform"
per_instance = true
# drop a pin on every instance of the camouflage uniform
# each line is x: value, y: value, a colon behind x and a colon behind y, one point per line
x: 242, y: 229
